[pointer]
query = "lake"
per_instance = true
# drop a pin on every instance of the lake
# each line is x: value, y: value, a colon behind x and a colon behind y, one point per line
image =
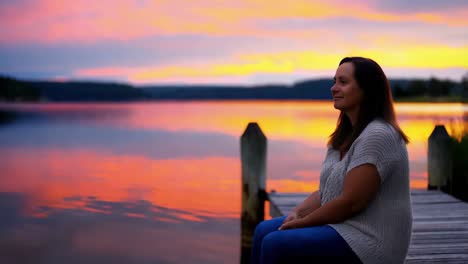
x: 159, y: 182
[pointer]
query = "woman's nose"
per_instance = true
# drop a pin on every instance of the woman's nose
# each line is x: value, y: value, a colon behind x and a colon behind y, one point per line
x: 333, y: 89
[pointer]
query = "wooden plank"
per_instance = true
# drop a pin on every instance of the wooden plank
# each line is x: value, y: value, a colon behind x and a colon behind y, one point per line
x: 455, y: 248
x: 435, y: 238
x: 453, y: 208
x: 438, y: 258
x: 440, y: 225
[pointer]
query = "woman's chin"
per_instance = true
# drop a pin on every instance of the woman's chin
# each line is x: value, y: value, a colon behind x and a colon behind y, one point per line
x: 337, y: 106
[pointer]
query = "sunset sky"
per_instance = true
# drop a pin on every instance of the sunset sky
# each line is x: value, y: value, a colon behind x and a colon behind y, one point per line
x: 229, y: 41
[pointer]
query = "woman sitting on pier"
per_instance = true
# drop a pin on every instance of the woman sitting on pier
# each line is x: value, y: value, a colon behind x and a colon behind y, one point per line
x: 362, y: 211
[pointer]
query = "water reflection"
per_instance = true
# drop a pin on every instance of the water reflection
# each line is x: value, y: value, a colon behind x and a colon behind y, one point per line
x: 137, y: 183
x: 89, y: 230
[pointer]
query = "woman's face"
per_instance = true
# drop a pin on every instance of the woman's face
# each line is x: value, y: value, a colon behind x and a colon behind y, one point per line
x: 347, y: 95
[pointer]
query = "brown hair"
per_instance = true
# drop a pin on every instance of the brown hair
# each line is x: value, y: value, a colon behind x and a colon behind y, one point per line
x: 377, y: 103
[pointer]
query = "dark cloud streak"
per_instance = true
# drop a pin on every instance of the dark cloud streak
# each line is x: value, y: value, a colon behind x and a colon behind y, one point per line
x: 414, y: 6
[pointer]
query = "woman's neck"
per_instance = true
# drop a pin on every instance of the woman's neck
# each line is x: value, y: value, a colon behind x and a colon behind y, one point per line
x: 353, y: 116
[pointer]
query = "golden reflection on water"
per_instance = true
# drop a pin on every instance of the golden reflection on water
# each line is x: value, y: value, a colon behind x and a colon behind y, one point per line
x: 299, y: 120
x: 308, y: 122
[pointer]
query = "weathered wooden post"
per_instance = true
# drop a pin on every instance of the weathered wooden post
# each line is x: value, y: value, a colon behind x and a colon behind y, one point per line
x: 253, y: 158
x: 460, y: 162
x: 439, y: 160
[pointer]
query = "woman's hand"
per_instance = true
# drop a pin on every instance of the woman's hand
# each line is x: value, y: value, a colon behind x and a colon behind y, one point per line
x: 295, y: 223
x: 291, y: 216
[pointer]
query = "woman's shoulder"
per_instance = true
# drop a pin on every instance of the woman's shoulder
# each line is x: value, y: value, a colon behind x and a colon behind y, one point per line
x: 380, y: 136
x: 379, y: 128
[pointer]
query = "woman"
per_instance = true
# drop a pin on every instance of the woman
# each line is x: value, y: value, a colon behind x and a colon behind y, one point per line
x: 362, y: 210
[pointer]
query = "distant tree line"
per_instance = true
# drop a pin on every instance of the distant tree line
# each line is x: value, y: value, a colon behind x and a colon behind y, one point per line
x: 464, y: 83
x: 86, y: 91
x: 14, y: 90
x: 432, y: 88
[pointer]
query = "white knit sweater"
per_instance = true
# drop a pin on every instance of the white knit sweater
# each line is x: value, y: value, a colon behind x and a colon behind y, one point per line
x: 382, y: 232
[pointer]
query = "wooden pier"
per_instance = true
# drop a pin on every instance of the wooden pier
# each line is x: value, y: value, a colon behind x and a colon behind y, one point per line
x: 440, y: 221
x: 440, y: 225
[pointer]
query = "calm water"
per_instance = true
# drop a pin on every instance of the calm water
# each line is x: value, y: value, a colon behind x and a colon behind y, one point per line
x: 160, y: 182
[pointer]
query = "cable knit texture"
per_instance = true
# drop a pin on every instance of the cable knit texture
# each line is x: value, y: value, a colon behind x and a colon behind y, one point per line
x: 382, y: 232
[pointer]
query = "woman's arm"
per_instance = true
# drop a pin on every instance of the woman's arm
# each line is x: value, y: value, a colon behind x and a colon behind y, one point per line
x: 308, y: 205
x: 359, y: 188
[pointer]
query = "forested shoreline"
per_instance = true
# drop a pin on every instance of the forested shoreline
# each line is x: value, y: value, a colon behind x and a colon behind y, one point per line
x: 404, y: 90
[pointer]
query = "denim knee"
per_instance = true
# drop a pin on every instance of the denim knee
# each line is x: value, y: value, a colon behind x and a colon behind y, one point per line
x: 272, y: 241
x: 268, y: 226
x: 262, y: 229
x: 273, y: 248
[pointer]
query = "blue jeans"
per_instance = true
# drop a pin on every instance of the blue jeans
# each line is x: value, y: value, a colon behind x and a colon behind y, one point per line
x: 302, y: 245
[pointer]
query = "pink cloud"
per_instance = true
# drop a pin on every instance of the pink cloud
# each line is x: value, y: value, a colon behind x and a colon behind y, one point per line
x: 50, y: 21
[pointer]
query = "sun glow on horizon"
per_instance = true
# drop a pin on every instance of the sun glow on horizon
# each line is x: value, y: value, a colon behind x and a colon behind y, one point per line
x: 436, y: 57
